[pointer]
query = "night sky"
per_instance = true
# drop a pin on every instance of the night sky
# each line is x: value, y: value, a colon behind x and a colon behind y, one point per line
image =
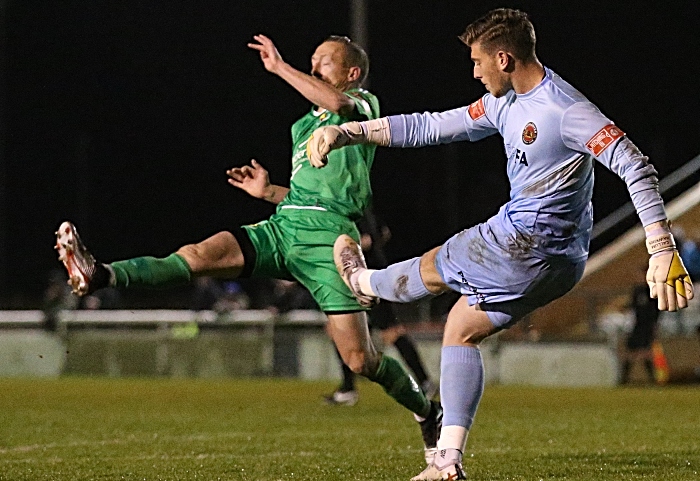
x: 123, y: 116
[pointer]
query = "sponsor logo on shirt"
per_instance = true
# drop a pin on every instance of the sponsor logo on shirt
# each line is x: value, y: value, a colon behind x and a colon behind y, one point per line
x: 603, y: 138
x: 477, y: 110
x: 529, y: 133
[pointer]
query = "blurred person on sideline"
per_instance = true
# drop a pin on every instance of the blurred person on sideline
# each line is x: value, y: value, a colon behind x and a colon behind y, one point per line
x: 57, y: 298
x: 296, y: 243
x: 232, y: 298
x: 109, y: 298
x: 697, y: 367
x: 374, y: 235
x: 689, y: 251
x: 290, y: 296
x: 206, y: 293
x: 639, y: 341
x: 535, y: 248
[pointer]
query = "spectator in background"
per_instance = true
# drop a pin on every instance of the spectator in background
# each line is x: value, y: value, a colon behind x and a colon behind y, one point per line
x: 207, y: 292
x: 289, y: 296
x: 233, y: 298
x: 639, y: 342
x: 108, y: 298
x: 211, y: 295
x: 697, y: 367
x: 689, y: 251
x: 57, y: 297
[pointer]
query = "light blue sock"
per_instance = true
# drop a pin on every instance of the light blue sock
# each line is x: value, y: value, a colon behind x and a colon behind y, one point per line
x: 400, y: 282
x: 461, y: 384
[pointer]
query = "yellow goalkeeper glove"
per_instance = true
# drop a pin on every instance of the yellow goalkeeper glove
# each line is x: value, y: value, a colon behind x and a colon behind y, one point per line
x: 667, y: 277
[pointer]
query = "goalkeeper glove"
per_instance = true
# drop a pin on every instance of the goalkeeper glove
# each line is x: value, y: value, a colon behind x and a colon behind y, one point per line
x: 331, y: 137
x: 667, y: 277
x: 325, y: 139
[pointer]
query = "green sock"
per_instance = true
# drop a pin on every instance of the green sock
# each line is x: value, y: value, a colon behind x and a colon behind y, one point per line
x: 151, y: 272
x: 399, y: 384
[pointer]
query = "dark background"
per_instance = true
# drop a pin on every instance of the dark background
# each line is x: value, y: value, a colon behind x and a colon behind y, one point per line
x: 123, y: 116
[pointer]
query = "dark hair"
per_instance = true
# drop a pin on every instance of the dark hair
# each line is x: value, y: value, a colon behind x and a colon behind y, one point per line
x: 503, y: 29
x: 355, y: 56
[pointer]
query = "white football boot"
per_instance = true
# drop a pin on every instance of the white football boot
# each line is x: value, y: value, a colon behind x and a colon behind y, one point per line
x: 79, y: 263
x: 433, y: 473
x: 344, y: 398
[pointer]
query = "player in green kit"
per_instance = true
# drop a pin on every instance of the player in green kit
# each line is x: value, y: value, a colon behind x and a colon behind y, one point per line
x: 297, y: 241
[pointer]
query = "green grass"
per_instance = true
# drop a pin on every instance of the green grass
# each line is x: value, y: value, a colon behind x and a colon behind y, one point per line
x: 156, y: 429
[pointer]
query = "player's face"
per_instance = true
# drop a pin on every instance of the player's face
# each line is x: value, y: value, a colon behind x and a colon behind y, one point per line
x: 328, y: 64
x: 489, y: 69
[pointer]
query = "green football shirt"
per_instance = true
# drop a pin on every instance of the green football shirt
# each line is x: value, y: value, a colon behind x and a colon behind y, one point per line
x: 342, y: 186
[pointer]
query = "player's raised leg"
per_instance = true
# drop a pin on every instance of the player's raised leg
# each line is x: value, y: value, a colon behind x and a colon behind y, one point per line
x: 405, y: 281
x: 219, y: 255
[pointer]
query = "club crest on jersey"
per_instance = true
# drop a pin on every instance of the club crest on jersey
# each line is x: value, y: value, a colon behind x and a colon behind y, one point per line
x: 529, y: 133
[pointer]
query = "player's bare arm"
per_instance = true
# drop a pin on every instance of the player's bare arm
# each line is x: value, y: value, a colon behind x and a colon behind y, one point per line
x: 255, y: 180
x: 316, y: 90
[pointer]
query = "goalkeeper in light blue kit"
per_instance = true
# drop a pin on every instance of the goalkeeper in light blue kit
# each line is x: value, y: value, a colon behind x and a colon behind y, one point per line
x: 535, y: 248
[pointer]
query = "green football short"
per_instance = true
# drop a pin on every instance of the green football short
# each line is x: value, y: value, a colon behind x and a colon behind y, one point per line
x: 297, y: 244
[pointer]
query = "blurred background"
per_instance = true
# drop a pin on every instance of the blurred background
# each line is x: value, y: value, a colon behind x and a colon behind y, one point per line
x: 123, y: 117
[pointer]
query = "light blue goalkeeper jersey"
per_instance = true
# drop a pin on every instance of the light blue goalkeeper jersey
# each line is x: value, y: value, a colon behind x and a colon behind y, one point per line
x: 551, y: 136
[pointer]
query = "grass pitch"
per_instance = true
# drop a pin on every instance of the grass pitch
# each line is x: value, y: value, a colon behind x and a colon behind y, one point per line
x: 162, y: 429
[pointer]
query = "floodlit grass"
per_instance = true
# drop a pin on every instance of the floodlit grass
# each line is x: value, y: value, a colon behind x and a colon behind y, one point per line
x: 155, y: 429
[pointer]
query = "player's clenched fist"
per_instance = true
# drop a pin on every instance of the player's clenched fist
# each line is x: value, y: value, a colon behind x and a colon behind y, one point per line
x: 669, y: 281
x: 323, y: 140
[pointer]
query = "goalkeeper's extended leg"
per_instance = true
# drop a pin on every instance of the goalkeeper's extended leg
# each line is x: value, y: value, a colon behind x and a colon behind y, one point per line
x: 401, y: 282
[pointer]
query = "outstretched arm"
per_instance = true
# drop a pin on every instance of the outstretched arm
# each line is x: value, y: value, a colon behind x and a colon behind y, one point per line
x: 255, y: 180
x: 414, y: 130
x: 325, y: 139
x: 315, y: 90
x: 585, y: 129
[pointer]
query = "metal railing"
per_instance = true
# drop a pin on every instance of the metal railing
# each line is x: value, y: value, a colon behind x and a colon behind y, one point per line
x: 667, y: 183
x: 35, y: 318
